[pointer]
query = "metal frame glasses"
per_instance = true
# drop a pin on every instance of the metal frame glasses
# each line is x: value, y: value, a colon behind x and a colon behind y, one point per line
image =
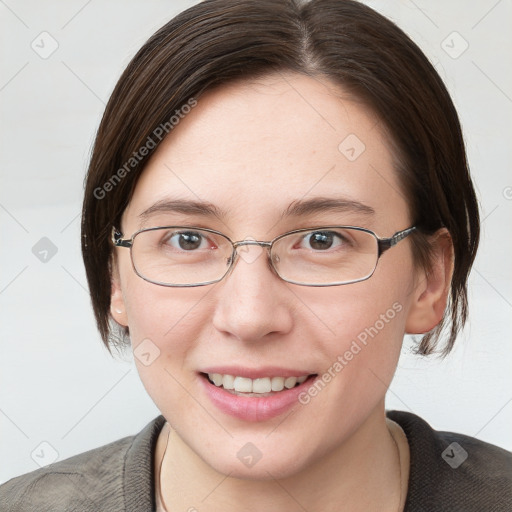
x: 344, y: 260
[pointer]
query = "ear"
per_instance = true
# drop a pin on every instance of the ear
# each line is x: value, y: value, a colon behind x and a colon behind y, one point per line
x: 430, y: 294
x: 117, y: 305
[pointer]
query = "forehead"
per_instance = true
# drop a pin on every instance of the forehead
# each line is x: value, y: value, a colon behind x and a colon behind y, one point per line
x: 253, y: 148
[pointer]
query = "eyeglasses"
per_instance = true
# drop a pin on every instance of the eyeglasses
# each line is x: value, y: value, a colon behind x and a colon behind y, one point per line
x: 190, y: 256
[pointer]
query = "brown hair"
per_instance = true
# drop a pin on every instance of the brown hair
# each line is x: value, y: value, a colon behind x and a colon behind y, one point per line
x: 218, y: 41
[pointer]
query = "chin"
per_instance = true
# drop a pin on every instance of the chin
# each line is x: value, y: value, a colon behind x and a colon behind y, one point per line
x: 263, y: 470
x: 259, y: 459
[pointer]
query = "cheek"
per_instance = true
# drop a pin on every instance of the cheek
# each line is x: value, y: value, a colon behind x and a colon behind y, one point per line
x: 365, y: 324
x: 370, y: 352
x: 366, y: 332
x: 166, y: 315
x: 364, y: 311
x: 166, y: 325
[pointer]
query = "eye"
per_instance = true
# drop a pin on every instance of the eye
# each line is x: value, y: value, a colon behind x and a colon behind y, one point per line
x: 187, y: 241
x: 323, y: 240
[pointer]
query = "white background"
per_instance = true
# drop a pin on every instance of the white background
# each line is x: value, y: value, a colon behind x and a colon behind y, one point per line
x: 58, y: 384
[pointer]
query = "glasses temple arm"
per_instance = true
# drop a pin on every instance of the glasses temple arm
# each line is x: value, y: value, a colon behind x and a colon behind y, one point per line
x: 386, y: 243
x: 118, y: 241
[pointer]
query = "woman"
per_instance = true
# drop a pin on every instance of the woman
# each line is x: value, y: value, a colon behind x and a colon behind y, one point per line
x: 278, y: 192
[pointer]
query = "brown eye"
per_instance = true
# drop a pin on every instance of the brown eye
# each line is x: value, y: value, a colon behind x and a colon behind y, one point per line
x: 321, y: 240
x: 189, y: 241
x: 186, y: 241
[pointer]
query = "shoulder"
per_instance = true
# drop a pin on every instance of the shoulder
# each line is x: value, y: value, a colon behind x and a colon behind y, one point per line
x: 451, y: 471
x: 90, y: 481
x: 78, y: 480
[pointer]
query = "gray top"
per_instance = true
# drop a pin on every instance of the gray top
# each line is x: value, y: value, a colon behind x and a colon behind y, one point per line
x: 120, y: 476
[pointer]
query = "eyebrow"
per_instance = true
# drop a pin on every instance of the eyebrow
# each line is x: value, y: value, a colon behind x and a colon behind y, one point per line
x: 186, y: 206
x: 326, y: 204
x: 295, y: 209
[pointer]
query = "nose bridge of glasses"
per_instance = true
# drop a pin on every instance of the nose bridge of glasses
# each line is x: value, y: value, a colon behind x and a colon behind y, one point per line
x: 251, y: 242
x: 242, y: 250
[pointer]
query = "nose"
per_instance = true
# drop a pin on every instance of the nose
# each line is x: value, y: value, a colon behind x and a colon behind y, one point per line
x: 252, y: 301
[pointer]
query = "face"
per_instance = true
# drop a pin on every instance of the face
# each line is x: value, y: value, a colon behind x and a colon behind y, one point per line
x: 252, y: 149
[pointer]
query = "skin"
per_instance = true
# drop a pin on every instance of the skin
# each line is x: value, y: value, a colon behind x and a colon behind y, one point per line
x: 252, y: 148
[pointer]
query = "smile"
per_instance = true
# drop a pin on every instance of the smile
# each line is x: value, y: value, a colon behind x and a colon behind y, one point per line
x: 254, y: 399
x: 265, y: 386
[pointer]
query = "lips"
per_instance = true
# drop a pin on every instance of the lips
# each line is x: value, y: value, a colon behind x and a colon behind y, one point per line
x: 246, y: 396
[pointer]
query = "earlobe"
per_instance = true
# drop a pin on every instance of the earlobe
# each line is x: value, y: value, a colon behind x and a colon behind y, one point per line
x: 117, y: 305
x: 430, y: 295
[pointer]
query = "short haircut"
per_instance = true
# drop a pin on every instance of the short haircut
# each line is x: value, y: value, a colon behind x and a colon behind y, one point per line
x: 220, y: 41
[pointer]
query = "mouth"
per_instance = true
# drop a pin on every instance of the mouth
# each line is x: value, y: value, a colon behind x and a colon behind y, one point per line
x: 255, y: 399
x: 260, y: 387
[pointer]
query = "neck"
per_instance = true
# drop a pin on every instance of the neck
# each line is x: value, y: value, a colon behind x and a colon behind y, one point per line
x: 363, y: 474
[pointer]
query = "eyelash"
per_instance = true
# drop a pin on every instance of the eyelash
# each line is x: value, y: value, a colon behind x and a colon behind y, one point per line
x: 338, y: 240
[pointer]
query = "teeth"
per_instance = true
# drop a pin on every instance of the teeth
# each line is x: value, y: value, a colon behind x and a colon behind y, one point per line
x: 262, y: 385
x: 228, y: 382
x: 242, y: 384
x: 216, y: 378
x: 290, y: 382
x: 277, y: 383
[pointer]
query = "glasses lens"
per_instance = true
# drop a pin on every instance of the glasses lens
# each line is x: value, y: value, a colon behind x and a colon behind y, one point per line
x: 326, y: 256
x: 178, y: 256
